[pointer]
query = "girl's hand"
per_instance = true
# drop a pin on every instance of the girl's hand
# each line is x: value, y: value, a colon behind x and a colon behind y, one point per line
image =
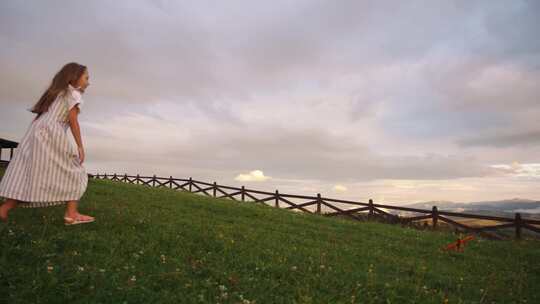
x: 81, y: 154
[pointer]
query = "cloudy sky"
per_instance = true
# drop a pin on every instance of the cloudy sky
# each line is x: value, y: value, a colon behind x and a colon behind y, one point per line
x: 398, y: 101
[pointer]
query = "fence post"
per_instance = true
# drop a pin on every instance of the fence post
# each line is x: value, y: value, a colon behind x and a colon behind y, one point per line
x: 125, y: 177
x: 154, y: 181
x: 370, y: 214
x: 243, y: 195
x: 318, y: 203
x: 277, y: 199
x: 137, y: 180
x: 214, y: 189
x: 114, y: 177
x: 170, y: 181
x: 518, y: 223
x: 434, y: 216
x: 190, y: 182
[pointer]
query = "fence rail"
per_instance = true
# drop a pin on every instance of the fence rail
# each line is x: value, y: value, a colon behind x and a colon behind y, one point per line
x: 497, y: 229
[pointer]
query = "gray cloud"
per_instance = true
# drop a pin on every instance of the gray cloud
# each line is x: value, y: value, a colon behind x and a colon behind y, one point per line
x: 284, y: 153
x: 531, y: 138
x: 349, y: 90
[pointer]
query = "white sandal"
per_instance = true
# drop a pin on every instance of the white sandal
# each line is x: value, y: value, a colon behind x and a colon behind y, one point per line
x: 68, y: 221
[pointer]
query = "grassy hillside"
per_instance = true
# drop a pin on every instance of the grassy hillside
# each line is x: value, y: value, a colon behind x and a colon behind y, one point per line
x: 158, y: 245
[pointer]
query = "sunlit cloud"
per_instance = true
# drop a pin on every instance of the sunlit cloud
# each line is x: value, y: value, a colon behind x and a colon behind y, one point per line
x: 253, y: 176
x: 339, y: 188
x: 515, y: 169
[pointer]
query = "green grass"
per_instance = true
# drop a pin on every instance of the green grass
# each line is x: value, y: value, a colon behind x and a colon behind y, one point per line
x: 162, y: 246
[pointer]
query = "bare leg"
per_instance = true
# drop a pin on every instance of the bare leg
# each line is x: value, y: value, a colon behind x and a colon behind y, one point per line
x: 72, y: 212
x: 71, y: 209
x: 6, y: 206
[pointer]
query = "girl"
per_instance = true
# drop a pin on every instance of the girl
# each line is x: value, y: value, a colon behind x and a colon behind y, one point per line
x: 46, y: 169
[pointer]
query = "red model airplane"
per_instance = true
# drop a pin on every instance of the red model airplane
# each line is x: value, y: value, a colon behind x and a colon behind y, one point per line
x: 459, y: 244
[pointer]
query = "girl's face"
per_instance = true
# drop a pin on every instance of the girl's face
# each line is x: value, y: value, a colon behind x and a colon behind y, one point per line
x: 83, y: 83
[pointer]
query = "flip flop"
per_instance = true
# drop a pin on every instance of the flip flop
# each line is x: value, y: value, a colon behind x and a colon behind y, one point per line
x: 68, y: 221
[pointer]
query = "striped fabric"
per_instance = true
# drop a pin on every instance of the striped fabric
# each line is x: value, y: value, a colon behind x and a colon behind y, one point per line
x: 45, y: 169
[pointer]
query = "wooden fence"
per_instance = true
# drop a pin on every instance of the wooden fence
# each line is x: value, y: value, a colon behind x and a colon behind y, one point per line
x: 498, y: 228
x: 6, y: 145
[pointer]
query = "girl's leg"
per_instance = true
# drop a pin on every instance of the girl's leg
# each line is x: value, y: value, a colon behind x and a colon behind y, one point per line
x: 71, y: 209
x: 6, y: 206
x: 72, y: 212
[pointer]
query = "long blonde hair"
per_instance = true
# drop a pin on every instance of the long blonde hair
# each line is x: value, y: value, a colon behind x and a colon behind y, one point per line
x: 69, y: 74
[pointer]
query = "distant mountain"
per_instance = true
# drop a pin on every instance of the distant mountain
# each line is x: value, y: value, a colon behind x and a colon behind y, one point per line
x: 507, y: 208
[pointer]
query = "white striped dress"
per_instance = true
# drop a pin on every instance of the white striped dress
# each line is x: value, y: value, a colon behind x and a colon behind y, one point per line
x: 45, y: 169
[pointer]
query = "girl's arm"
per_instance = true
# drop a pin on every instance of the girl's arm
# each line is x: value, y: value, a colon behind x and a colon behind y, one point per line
x: 75, y: 130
